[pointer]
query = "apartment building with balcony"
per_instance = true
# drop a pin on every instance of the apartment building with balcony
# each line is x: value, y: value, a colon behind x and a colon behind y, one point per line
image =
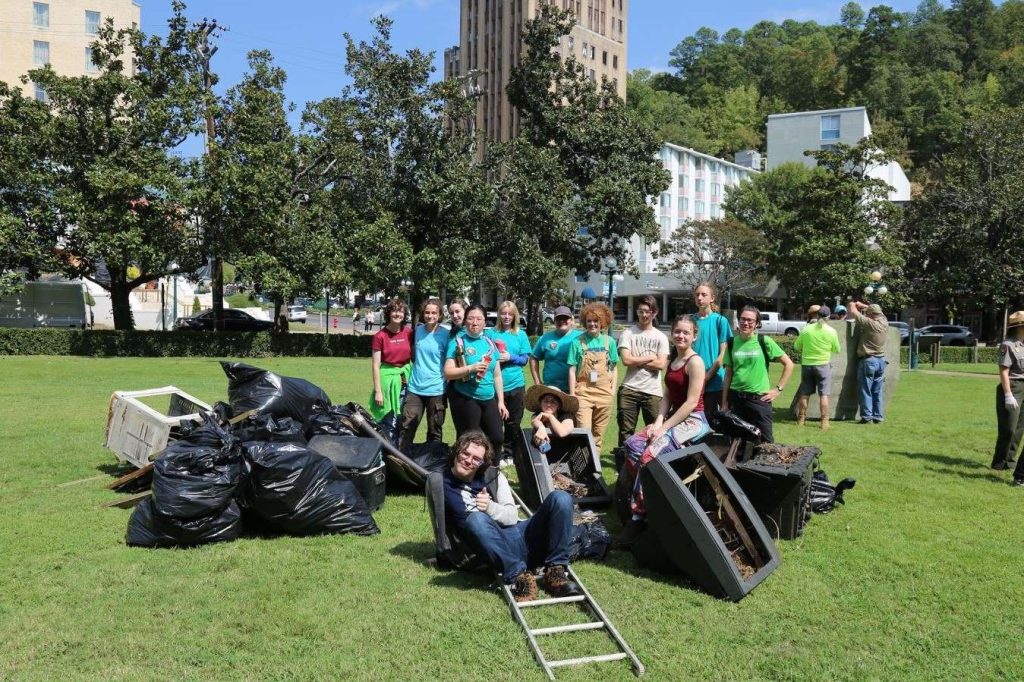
x: 33, y: 34
x: 700, y: 183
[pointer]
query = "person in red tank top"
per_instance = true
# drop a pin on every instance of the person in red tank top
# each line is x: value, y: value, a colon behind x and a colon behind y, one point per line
x: 680, y: 422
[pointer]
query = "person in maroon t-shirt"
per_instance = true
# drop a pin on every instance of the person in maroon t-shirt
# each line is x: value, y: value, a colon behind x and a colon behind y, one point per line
x: 391, y: 364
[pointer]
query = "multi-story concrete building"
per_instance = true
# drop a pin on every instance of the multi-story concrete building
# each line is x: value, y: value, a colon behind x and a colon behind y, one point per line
x: 700, y: 183
x: 58, y: 33
x: 490, y: 46
x: 790, y: 135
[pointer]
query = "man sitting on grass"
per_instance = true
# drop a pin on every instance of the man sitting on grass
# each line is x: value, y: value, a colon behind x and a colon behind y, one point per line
x: 480, y: 505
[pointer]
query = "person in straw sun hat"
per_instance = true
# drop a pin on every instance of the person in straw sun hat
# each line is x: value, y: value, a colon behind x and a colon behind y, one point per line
x: 1009, y: 396
x: 553, y: 411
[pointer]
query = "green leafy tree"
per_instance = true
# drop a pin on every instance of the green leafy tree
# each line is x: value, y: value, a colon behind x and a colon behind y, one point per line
x: 825, y: 228
x: 723, y: 251
x: 112, y: 176
x: 965, y: 231
x: 29, y: 223
x: 604, y: 153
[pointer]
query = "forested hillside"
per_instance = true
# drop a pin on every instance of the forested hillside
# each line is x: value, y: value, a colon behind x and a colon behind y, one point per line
x: 921, y: 75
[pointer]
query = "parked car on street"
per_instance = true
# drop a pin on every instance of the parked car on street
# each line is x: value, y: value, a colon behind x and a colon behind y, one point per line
x: 234, y: 321
x: 904, y: 330
x: 952, y: 334
x: 296, y: 313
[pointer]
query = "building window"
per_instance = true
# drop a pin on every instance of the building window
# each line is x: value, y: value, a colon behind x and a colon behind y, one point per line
x: 698, y: 207
x: 681, y: 204
x: 90, y: 64
x: 586, y: 50
x: 698, y: 164
x: 92, y: 22
x: 830, y: 127
x: 684, y: 181
x: 40, y: 53
x: 714, y: 210
x: 698, y: 185
x: 615, y: 61
x: 593, y: 52
x: 666, y: 227
x: 716, y: 189
x: 40, y: 93
x: 40, y: 15
x: 604, y: 57
x: 828, y: 147
x: 666, y: 200
x: 593, y: 75
x: 572, y: 43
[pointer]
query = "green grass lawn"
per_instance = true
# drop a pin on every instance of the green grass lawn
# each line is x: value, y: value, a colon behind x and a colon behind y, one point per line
x: 913, y: 579
x: 963, y: 367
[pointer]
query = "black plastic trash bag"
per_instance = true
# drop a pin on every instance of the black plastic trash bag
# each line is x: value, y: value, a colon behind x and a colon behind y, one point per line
x: 148, y: 528
x: 252, y: 388
x: 335, y: 420
x: 266, y: 427
x: 300, y: 492
x: 390, y: 428
x: 197, y: 476
x: 589, y: 541
x: 729, y: 424
x: 824, y: 495
x: 432, y: 456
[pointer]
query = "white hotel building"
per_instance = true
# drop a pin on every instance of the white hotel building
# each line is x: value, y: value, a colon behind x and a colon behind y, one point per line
x: 699, y: 186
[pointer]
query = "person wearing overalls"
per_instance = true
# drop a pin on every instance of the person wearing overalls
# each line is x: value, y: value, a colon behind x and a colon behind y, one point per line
x: 592, y: 370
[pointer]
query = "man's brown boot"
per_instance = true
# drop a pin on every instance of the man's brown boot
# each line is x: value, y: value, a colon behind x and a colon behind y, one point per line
x: 524, y: 587
x: 558, y: 584
x: 801, y: 416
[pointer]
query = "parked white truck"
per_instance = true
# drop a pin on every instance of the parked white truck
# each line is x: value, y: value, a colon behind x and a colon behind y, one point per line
x: 772, y: 323
x: 44, y: 304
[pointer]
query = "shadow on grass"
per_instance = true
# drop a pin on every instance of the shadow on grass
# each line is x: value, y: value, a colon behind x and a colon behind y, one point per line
x: 115, y: 469
x: 942, y: 459
x: 418, y: 552
x: 978, y: 476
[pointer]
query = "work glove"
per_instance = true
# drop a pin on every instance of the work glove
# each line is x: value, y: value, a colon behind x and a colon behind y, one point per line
x: 1010, y: 401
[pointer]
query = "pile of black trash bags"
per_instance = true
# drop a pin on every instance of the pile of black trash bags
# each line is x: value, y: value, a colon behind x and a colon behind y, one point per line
x: 217, y: 480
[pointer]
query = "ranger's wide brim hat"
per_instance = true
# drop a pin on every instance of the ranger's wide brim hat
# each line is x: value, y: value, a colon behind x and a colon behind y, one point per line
x: 538, y: 391
x: 1015, y: 320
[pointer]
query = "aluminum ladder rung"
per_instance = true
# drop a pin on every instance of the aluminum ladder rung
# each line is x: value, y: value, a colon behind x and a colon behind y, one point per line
x: 588, y: 659
x: 553, y: 600
x: 575, y: 627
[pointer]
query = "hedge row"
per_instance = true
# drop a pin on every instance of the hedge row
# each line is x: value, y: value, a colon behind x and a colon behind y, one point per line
x: 179, y: 344
x: 261, y: 345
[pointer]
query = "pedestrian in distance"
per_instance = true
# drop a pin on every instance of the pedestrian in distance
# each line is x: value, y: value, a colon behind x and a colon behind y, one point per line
x: 747, y: 389
x: 478, y: 502
x: 513, y: 353
x: 1009, y: 397
x: 592, y: 361
x: 552, y: 349
x: 391, y: 361
x: 872, y: 332
x: 477, y: 398
x: 426, y: 381
x: 644, y: 351
x: 816, y: 344
x: 714, y: 332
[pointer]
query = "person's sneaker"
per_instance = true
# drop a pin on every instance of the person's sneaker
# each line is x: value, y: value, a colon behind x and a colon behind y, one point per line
x: 1018, y: 482
x: 628, y: 534
x: 865, y: 421
x: 524, y: 587
x: 557, y: 583
x: 1001, y: 466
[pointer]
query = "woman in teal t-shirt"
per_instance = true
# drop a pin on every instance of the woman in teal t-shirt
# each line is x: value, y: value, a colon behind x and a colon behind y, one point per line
x: 513, y: 348
x: 714, y: 332
x: 477, y: 398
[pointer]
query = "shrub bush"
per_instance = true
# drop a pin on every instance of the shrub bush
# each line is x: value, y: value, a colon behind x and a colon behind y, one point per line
x: 179, y: 344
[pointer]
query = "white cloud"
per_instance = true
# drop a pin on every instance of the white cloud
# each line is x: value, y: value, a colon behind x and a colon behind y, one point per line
x: 392, y: 7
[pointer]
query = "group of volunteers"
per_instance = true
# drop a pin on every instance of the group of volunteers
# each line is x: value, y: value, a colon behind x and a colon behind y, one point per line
x: 677, y: 386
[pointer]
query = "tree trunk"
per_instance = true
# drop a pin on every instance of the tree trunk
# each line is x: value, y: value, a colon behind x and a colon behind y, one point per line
x: 281, y: 321
x: 534, y: 323
x: 120, y: 303
x: 992, y: 321
x: 217, y: 286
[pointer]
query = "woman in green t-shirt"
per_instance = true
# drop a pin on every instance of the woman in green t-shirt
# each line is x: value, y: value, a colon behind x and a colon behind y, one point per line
x: 748, y: 390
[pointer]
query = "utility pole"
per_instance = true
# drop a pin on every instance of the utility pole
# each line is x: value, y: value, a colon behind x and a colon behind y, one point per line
x: 205, y: 53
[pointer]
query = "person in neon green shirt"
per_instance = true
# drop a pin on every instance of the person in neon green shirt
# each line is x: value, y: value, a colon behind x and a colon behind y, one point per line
x: 816, y: 344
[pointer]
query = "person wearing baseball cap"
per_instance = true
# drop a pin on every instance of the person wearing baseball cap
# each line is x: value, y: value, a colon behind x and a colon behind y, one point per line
x: 872, y: 331
x: 1009, y: 396
x: 816, y: 344
x: 840, y: 312
x: 552, y: 348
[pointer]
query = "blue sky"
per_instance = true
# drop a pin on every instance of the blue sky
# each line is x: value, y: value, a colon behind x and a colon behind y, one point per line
x: 305, y: 36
